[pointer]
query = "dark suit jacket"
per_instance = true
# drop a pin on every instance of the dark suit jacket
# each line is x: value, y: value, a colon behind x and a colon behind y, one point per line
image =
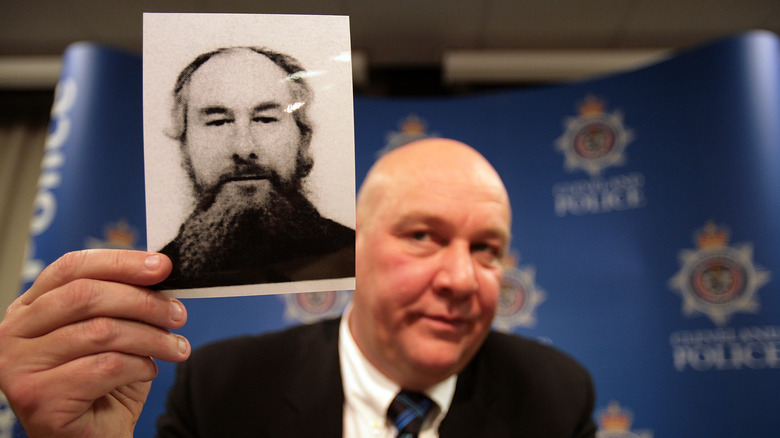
x: 288, y: 384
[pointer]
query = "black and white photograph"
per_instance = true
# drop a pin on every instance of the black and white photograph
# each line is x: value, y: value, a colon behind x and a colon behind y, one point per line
x: 249, y: 152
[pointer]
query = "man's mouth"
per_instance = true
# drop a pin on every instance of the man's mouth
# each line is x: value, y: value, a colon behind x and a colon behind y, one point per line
x: 247, y: 185
x: 245, y: 177
x: 446, y: 322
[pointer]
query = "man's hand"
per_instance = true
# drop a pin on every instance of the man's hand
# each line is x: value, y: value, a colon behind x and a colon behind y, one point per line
x: 76, y: 349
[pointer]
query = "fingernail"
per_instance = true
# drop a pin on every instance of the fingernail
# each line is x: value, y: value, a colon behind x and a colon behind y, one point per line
x: 177, y: 311
x: 152, y: 262
x: 181, y: 343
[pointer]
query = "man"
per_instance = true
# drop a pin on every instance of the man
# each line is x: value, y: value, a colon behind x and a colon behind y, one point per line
x: 433, y: 223
x: 241, y: 117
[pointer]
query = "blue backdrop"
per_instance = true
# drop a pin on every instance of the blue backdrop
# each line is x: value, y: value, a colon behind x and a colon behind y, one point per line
x: 646, y: 221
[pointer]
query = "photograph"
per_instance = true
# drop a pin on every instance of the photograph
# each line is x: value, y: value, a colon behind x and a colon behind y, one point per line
x: 249, y: 152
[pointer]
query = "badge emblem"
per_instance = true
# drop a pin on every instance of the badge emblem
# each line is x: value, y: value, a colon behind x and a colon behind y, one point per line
x: 411, y: 128
x: 311, y: 307
x: 716, y: 279
x: 518, y: 298
x: 615, y: 422
x: 595, y: 140
x: 116, y: 235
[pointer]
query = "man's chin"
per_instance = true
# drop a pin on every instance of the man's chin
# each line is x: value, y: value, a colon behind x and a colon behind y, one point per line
x: 437, y: 362
x: 253, y: 191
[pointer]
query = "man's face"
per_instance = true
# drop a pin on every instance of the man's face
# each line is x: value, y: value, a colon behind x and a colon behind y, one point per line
x: 240, y: 130
x: 428, y: 275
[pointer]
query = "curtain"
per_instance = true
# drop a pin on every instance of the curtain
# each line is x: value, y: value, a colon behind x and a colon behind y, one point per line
x: 24, y: 117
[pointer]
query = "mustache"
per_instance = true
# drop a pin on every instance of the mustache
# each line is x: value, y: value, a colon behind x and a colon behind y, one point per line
x: 248, y: 171
x: 238, y: 172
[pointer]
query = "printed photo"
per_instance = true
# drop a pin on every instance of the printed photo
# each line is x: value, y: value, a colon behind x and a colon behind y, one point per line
x: 249, y: 152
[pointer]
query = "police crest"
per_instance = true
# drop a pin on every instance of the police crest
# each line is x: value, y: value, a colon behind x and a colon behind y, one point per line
x: 716, y: 279
x: 615, y: 422
x: 595, y: 140
x: 518, y: 298
x: 412, y: 128
x: 308, y: 307
x: 116, y: 235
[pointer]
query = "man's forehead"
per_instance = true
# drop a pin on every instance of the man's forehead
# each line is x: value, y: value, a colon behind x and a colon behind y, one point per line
x: 237, y: 76
x: 432, y: 198
x: 476, y: 184
x: 435, y: 173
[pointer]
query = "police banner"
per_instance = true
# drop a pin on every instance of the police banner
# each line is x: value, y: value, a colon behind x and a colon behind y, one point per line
x: 646, y: 229
x: 646, y: 240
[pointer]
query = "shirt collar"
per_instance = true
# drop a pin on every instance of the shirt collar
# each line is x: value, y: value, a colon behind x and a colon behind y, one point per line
x: 367, y: 387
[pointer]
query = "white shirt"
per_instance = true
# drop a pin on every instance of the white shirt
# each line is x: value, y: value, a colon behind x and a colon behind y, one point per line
x: 368, y: 394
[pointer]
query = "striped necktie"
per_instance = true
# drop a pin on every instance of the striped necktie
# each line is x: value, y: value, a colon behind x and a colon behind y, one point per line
x: 407, y: 412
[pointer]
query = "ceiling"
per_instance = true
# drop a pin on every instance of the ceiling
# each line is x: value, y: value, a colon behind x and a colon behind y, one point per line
x: 404, y: 35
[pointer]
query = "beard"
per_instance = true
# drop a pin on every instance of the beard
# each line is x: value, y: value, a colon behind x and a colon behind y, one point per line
x: 230, y: 230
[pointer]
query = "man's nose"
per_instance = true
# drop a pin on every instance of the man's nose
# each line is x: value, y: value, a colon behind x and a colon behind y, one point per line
x: 243, y: 143
x: 457, y: 274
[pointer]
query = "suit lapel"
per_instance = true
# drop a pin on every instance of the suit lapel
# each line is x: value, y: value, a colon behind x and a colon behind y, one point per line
x: 470, y: 413
x: 315, y: 401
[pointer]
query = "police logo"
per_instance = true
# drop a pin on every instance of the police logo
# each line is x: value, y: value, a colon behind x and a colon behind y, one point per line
x: 716, y: 279
x: 412, y: 128
x: 311, y: 307
x: 518, y: 298
x: 116, y: 235
x: 595, y: 140
x: 615, y: 422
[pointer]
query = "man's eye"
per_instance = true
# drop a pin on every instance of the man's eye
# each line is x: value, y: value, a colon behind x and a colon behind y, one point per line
x: 218, y: 122
x: 420, y: 236
x: 265, y: 119
x: 490, y: 252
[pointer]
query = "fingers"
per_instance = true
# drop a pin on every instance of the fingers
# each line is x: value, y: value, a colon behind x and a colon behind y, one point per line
x: 95, y: 283
x: 79, y: 306
x: 129, y: 267
x: 105, y: 372
x: 88, y: 328
x: 83, y: 299
x: 97, y: 335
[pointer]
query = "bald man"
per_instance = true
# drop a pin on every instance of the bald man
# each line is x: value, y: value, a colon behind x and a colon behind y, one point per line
x: 433, y: 225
